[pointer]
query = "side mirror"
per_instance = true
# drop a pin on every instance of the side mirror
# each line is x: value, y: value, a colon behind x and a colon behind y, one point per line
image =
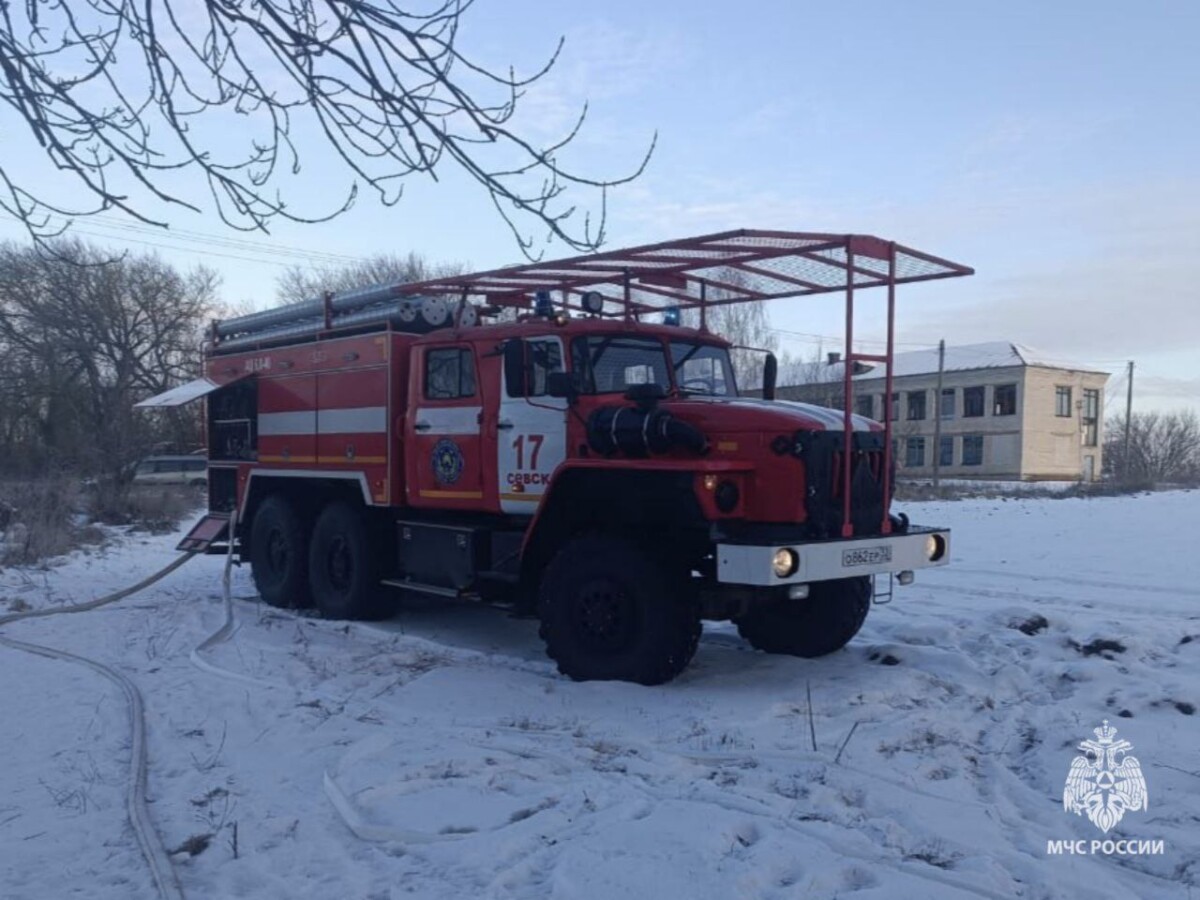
x: 770, y: 374
x: 561, y: 384
x: 516, y: 372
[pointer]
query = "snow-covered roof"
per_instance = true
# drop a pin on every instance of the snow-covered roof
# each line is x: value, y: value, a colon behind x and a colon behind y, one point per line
x: 965, y: 357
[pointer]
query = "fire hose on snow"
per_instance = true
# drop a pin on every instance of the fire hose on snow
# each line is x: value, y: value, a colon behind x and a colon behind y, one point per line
x: 148, y: 838
x: 149, y: 841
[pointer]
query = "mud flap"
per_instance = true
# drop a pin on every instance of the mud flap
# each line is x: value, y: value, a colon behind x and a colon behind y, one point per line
x: 212, y: 528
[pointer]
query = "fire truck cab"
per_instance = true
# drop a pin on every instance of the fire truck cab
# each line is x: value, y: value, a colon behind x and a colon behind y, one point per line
x: 550, y: 436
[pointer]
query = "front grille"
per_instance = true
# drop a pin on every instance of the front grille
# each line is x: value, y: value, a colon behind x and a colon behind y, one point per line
x: 823, y: 454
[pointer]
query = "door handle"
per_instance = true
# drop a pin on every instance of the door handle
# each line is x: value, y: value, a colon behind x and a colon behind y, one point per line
x: 503, y: 425
x: 421, y: 426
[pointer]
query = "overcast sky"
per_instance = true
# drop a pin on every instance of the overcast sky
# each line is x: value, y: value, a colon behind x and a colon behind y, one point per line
x: 1052, y: 146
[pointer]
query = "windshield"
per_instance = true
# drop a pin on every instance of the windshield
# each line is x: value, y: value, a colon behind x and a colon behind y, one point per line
x: 613, y: 363
x: 702, y: 369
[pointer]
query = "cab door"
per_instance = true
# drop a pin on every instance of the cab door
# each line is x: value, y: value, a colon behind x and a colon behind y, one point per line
x: 531, y: 429
x: 444, y: 458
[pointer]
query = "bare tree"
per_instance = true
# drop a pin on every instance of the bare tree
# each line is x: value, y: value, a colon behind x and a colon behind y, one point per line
x: 1163, y: 447
x: 123, y: 97
x: 746, y: 325
x: 801, y: 369
x: 300, y: 283
x: 89, y: 340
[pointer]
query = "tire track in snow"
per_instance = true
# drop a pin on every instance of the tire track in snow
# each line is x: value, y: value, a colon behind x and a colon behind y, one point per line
x: 769, y: 808
x: 1084, y: 582
x: 1053, y: 601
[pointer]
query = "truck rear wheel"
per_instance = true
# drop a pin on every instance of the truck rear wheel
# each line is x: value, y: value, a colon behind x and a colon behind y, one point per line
x: 611, y: 612
x: 279, y: 554
x: 824, y: 621
x: 343, y: 567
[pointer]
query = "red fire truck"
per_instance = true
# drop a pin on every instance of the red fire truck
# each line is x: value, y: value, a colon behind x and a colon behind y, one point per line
x: 550, y: 435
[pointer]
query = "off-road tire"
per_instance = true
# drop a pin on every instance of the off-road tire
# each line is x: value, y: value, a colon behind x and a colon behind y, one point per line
x: 612, y: 612
x: 343, y: 566
x: 821, y: 623
x: 279, y: 554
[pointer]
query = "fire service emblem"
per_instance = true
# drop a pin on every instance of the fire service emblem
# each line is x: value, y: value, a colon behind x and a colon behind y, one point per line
x: 447, y: 461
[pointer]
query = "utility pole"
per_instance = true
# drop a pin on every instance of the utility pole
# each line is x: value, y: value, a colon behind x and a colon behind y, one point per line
x: 1128, y: 423
x: 937, y: 416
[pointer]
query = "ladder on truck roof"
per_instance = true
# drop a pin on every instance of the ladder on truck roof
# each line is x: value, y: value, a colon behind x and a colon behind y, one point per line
x: 687, y: 273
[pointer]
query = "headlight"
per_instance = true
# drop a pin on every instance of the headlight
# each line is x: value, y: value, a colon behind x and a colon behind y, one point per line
x: 785, y: 562
x: 935, y: 547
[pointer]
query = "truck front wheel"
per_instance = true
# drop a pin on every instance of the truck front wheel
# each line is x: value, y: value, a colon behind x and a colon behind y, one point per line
x: 612, y: 612
x: 343, y: 567
x: 279, y: 554
x: 824, y: 621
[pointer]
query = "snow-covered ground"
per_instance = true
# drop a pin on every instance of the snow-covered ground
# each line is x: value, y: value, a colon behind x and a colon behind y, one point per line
x: 469, y: 768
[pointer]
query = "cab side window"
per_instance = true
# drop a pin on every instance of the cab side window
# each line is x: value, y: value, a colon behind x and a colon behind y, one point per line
x: 449, y: 373
x: 545, y: 357
x: 542, y: 356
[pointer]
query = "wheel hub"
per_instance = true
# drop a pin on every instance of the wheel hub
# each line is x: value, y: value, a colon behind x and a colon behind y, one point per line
x: 604, y: 615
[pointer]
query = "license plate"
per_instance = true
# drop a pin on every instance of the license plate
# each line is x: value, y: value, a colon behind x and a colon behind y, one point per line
x: 866, y: 556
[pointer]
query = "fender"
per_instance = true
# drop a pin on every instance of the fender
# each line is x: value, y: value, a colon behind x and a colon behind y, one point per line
x: 694, y: 469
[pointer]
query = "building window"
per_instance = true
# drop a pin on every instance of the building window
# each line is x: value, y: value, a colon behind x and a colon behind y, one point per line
x: 972, y: 450
x: 916, y: 405
x: 449, y: 373
x: 947, y: 409
x: 946, y: 451
x: 1062, y: 402
x: 1091, y: 417
x: 1004, y: 397
x: 865, y: 405
x: 972, y: 402
x: 914, y: 455
x: 895, y: 406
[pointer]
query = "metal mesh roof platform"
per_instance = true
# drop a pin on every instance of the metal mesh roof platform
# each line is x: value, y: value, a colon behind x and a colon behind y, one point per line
x: 714, y: 269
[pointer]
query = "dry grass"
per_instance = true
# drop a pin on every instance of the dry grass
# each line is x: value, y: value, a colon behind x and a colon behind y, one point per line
x: 161, y: 509
x: 918, y: 490
x: 43, y: 519
x: 51, y: 516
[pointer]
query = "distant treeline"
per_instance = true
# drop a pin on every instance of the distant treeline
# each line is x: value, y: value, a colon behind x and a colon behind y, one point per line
x: 1163, y: 448
x: 84, y: 334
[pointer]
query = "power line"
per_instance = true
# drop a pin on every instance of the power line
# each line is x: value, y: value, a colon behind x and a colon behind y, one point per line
x: 185, y: 235
x: 840, y: 339
x: 260, y: 251
x: 161, y: 246
x: 1113, y: 387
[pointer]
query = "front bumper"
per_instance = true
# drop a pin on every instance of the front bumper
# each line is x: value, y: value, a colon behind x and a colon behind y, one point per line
x: 834, y: 559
